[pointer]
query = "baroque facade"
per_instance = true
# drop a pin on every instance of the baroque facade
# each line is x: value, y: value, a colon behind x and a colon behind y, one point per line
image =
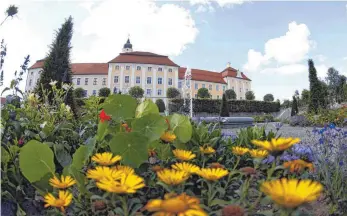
x: 152, y: 72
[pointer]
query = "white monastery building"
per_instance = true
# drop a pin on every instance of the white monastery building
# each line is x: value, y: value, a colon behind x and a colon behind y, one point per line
x: 152, y: 72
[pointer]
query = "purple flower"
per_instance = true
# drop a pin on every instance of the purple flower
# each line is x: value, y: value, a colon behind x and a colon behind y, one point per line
x: 341, y: 163
x: 268, y: 160
x: 321, y: 140
x: 321, y: 131
x: 278, y: 125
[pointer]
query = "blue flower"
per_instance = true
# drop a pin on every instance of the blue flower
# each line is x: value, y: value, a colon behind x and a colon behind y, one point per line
x: 269, y: 159
x: 341, y: 163
x: 278, y: 125
x: 315, y: 130
x: 332, y: 125
x: 321, y: 131
x: 321, y: 140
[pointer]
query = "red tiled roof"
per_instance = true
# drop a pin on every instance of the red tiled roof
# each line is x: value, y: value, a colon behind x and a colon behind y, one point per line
x: 80, y: 68
x: 143, y: 58
x: 89, y: 68
x: 232, y: 72
x: 202, y: 75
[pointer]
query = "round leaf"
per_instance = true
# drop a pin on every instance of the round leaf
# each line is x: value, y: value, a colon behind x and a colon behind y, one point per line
x: 36, y: 160
x: 79, y: 157
x: 181, y: 126
x: 120, y: 107
x: 131, y: 146
x: 151, y: 125
x: 145, y: 108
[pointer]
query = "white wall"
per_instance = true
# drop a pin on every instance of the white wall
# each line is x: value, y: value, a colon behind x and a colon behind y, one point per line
x: 90, y: 86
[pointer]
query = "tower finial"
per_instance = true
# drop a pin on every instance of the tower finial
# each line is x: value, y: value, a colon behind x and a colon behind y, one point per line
x: 228, y: 64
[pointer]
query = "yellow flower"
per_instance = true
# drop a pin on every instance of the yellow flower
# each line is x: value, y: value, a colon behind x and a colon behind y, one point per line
x: 207, y: 150
x: 65, y: 182
x: 212, y: 174
x: 297, y: 165
x: 106, y: 158
x: 101, y: 172
x: 125, y: 169
x: 182, y: 204
x: 172, y: 177
x: 239, y: 150
x: 63, y: 200
x: 279, y: 144
x: 126, y: 184
x: 168, y: 136
x: 258, y: 153
x: 183, y: 154
x: 293, y: 192
x: 186, y: 167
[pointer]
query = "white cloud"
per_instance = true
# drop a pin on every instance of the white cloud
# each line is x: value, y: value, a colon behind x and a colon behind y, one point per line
x: 322, y: 70
x: 321, y: 58
x: 204, y: 8
x: 208, y: 5
x: 344, y: 58
x: 290, y: 48
x: 165, y: 29
x: 286, y: 69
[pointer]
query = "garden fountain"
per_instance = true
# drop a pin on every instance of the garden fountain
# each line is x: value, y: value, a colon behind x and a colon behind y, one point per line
x: 187, y: 93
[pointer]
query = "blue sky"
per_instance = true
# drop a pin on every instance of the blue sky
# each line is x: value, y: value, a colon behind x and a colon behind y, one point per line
x: 269, y: 41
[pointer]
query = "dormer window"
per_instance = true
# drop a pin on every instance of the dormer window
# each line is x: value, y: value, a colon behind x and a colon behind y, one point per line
x: 127, y: 67
x: 117, y: 67
x: 160, y: 69
x: 170, y: 69
x: 149, y: 68
x: 138, y: 68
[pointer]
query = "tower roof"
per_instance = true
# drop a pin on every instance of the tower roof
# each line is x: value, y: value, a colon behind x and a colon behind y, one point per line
x: 128, y: 44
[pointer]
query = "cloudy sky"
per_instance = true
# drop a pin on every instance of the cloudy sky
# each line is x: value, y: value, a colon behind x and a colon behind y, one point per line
x: 270, y: 41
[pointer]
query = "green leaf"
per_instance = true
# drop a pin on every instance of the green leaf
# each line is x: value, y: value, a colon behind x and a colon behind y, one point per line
x: 151, y: 125
x: 80, y: 157
x: 164, y: 151
x: 131, y: 146
x: 62, y: 156
x: 102, y: 126
x: 36, y: 160
x: 145, y: 108
x: 5, y: 156
x: 79, y: 177
x: 220, y: 202
x: 91, y: 142
x: 180, y: 145
x: 120, y: 107
x: 43, y: 186
x: 181, y: 126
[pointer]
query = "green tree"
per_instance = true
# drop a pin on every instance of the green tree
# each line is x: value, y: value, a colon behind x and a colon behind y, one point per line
x: 173, y: 93
x: 160, y: 104
x: 79, y: 93
x: 339, y: 91
x: 269, y: 97
x: 295, y: 109
x: 104, y: 92
x: 230, y: 94
x: 250, y: 95
x: 136, y: 92
x: 324, y: 94
x: 57, y: 64
x: 305, y: 96
x: 315, y: 88
x: 203, y: 93
x: 286, y: 103
x: 333, y: 82
x: 224, y: 109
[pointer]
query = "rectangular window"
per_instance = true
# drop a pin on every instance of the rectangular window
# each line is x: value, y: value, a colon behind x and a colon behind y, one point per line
x: 85, y: 93
x: 85, y: 81
x: 210, y: 87
x: 160, y: 69
x: 160, y: 80
x: 217, y: 96
x: 203, y: 85
x: 170, y: 69
x: 138, y: 79
x: 94, y: 92
x: 78, y: 81
x: 149, y: 68
x: 180, y: 84
x: 159, y: 92
x: 240, y: 89
x: 30, y: 82
x: 240, y: 98
x: 95, y: 81
x: 117, y: 67
x: 224, y: 87
x: 149, y: 92
x: 115, y: 79
x: 217, y: 87
x: 170, y: 81
x: 196, y: 85
x: 103, y: 81
x: 149, y: 80
x: 196, y: 95
x: 127, y: 67
x: 138, y: 68
x: 126, y: 79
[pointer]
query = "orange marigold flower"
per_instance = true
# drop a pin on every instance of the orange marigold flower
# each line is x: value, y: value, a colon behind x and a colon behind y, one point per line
x: 103, y: 116
x: 297, y: 165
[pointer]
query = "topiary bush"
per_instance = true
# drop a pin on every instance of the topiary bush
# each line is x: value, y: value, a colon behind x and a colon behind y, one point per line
x: 230, y: 94
x: 161, y: 105
x: 104, y: 92
x: 213, y: 106
x: 173, y: 92
x: 79, y: 92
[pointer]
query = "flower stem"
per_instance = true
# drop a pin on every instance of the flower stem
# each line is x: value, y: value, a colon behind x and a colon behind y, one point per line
x: 209, y: 193
x: 237, y: 162
x: 124, y: 205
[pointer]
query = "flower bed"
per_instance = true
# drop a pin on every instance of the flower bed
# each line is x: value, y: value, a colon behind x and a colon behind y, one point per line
x: 124, y: 158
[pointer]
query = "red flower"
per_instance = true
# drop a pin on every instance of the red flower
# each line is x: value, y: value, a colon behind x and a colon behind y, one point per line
x: 21, y: 141
x: 103, y: 116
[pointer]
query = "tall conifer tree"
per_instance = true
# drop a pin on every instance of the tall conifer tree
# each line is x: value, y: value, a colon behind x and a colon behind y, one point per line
x: 315, y: 100
x: 57, y: 64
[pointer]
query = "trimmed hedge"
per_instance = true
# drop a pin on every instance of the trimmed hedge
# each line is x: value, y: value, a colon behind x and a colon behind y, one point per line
x: 213, y: 106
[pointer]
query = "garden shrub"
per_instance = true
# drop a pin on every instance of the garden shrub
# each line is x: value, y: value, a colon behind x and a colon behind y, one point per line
x: 173, y: 92
x: 213, y: 106
x: 104, y: 92
x: 161, y: 105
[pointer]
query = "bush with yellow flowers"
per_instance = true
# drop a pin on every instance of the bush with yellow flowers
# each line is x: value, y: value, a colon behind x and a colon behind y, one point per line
x: 138, y: 162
